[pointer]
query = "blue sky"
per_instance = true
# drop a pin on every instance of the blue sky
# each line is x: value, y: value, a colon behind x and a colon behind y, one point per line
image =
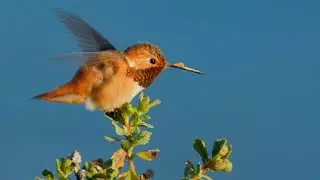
x: 260, y: 89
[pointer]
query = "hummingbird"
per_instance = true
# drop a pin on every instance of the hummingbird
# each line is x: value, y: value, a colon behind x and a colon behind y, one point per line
x: 108, y: 77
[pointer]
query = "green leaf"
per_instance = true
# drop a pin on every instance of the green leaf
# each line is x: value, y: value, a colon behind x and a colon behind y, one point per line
x: 205, y: 177
x: 123, y: 175
x: 135, y: 120
x: 228, y: 167
x: 154, y: 103
x: 112, y: 173
x: 222, y: 165
x: 143, y: 138
x: 218, y: 146
x: 141, y: 96
x: 198, y: 169
x: 100, y: 175
x: 144, y: 124
x: 86, y: 165
x: 124, y: 117
x: 148, y: 155
x: 200, y: 147
x: 143, y: 106
x: 48, y: 175
x: 189, y: 165
x: 63, y: 178
x: 132, y: 176
x: 58, y: 167
x: 135, y: 131
x: 144, y: 117
x: 128, y: 175
x: 68, y: 163
x: 229, y: 152
x: 189, y: 169
x: 126, y: 145
x: 111, y: 139
x: 129, y: 109
x: 119, y: 130
x: 64, y: 168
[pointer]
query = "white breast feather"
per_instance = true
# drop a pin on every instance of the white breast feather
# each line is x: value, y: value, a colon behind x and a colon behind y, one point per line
x: 89, y: 104
x: 137, y: 90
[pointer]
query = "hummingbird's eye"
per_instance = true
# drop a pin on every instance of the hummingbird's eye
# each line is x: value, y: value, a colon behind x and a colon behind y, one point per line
x: 152, y: 61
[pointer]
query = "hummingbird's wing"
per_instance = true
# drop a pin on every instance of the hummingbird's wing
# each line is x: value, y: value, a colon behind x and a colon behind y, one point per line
x: 82, y: 56
x: 92, y: 58
x: 89, y: 40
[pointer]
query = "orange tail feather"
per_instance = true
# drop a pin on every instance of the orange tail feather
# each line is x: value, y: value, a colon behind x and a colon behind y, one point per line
x: 69, y: 93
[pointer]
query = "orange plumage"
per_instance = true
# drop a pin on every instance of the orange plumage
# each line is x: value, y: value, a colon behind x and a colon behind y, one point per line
x: 108, y: 78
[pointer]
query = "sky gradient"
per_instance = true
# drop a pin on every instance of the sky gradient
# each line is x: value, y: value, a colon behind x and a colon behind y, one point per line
x: 260, y: 89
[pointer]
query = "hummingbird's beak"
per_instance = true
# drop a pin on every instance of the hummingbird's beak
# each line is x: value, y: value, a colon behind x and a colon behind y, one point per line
x: 181, y: 66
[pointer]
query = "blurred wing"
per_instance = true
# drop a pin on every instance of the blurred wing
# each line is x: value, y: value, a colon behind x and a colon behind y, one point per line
x: 82, y: 56
x: 89, y: 40
x: 93, y: 58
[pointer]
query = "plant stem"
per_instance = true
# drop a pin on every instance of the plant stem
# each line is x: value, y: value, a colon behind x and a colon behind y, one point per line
x: 127, y: 127
x: 131, y: 165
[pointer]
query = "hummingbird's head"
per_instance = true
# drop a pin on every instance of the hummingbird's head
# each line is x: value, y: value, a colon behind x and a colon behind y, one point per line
x: 146, y: 62
x: 144, y: 56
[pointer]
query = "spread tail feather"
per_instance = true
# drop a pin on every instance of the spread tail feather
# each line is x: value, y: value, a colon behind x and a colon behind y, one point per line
x: 67, y: 93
